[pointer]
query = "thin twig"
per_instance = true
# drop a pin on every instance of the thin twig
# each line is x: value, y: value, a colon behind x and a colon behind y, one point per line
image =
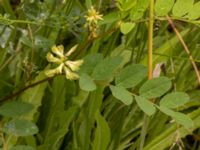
x: 185, y: 48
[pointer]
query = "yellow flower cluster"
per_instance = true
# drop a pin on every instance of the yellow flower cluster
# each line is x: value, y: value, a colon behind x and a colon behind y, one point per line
x: 92, y: 19
x: 93, y: 16
x: 58, y: 57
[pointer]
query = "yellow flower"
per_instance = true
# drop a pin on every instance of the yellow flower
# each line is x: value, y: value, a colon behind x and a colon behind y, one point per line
x: 93, y: 16
x: 58, y: 50
x: 65, y: 66
x: 51, y: 58
x: 74, y: 65
x: 70, y: 75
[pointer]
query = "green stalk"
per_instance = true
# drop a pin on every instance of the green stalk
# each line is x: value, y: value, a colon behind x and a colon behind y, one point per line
x: 150, y: 68
x: 150, y: 40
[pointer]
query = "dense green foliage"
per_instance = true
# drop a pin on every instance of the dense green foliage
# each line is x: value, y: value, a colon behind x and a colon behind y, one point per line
x: 74, y: 75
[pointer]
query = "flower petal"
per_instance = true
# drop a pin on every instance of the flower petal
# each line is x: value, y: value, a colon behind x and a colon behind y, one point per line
x: 70, y: 75
x: 71, y: 50
x: 58, y: 50
x: 74, y: 65
x: 50, y: 72
x: 59, y: 68
x: 51, y: 58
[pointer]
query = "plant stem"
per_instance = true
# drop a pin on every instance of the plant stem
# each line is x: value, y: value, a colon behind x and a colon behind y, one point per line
x: 185, y: 48
x: 150, y: 67
x: 150, y: 40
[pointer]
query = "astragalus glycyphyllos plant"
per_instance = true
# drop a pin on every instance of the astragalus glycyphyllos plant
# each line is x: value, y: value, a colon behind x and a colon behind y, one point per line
x: 78, y: 75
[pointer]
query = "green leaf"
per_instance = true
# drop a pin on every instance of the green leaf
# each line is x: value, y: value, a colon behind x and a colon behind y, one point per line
x: 145, y: 105
x: 162, y: 7
x: 174, y: 100
x: 86, y: 83
x: 88, y: 3
x: 90, y: 62
x: 31, y: 10
x: 15, y: 108
x: 20, y: 128
x: 155, y: 87
x: 34, y: 95
x: 180, y: 118
x: 126, y: 27
x: 182, y: 7
x: 125, y: 5
x: 138, y: 11
x: 110, y: 18
x: 122, y: 94
x: 22, y: 147
x: 102, y: 134
x: 183, y: 119
x: 106, y: 68
x: 194, y: 13
x: 131, y: 76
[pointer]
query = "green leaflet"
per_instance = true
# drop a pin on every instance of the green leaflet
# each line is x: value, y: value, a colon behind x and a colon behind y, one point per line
x: 20, y: 128
x: 15, y: 108
x: 90, y: 62
x: 86, y: 83
x: 194, y: 13
x: 122, y: 94
x: 126, y: 27
x: 126, y: 5
x: 138, y: 11
x: 155, y: 87
x: 182, y: 7
x: 106, y: 68
x: 162, y: 7
x: 174, y: 100
x: 131, y: 76
x: 145, y: 105
x: 180, y: 118
x: 110, y: 18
